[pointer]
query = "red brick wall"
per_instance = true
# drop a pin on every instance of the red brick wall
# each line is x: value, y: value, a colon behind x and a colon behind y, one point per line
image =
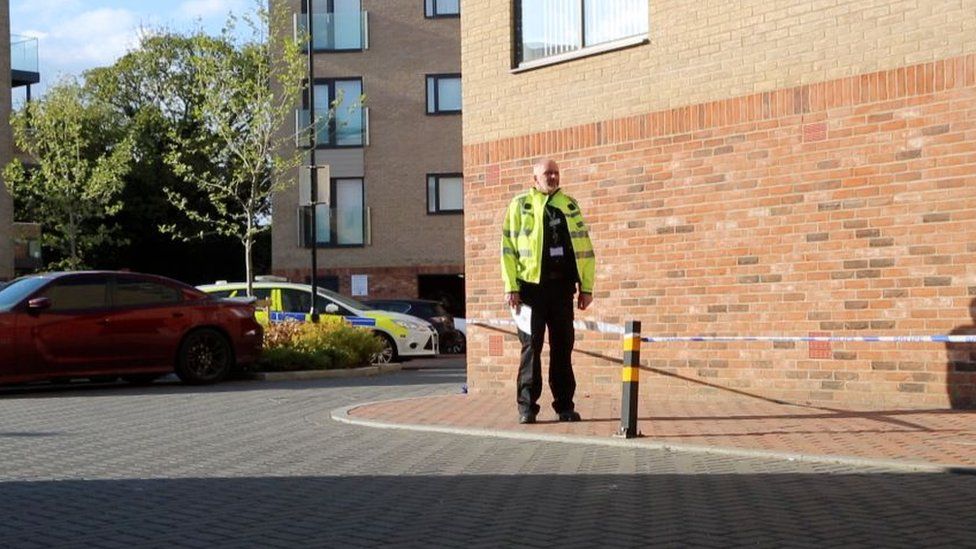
x: 384, y: 282
x: 845, y: 207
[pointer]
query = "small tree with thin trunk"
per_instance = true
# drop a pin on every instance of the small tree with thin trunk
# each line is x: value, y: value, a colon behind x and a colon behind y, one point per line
x: 252, y: 91
x: 81, y: 156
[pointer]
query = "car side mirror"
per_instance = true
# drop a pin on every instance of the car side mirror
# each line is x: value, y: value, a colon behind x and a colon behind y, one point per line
x: 38, y: 304
x: 331, y: 309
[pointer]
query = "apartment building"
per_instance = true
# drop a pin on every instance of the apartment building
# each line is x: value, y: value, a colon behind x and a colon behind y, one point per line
x: 389, y: 218
x: 753, y: 168
x: 19, y: 60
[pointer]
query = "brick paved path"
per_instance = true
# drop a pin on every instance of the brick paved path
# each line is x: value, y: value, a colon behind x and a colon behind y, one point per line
x: 935, y: 437
x: 256, y: 464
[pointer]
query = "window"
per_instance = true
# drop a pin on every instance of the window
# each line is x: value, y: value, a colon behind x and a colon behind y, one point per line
x: 556, y: 30
x: 445, y: 193
x: 296, y: 301
x: 337, y: 25
x: 341, y: 223
x: 131, y: 292
x: 442, y: 8
x: 78, y: 293
x: 443, y: 93
x: 344, y: 125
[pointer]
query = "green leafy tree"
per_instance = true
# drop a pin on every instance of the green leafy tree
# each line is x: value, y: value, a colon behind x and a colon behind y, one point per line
x: 251, y: 92
x: 154, y: 91
x: 82, y: 156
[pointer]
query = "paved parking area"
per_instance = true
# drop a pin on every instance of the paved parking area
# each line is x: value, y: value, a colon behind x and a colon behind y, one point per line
x: 261, y: 464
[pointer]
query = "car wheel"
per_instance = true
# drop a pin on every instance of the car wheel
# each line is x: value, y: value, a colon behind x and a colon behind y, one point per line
x: 389, y: 352
x: 204, y: 357
x: 457, y: 346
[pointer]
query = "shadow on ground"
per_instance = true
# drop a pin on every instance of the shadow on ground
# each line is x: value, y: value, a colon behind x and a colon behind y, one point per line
x: 853, y: 510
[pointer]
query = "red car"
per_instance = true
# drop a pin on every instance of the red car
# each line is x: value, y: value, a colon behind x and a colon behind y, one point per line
x: 110, y: 324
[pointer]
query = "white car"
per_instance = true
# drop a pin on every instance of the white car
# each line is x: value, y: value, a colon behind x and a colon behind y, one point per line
x: 405, y: 336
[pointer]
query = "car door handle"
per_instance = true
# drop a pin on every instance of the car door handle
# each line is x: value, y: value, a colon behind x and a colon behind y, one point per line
x: 177, y: 315
x: 103, y: 322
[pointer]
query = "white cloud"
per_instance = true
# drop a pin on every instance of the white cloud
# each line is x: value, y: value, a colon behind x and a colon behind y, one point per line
x: 205, y: 9
x: 93, y: 38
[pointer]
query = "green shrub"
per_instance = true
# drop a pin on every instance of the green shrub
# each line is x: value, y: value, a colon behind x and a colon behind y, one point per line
x: 290, y: 346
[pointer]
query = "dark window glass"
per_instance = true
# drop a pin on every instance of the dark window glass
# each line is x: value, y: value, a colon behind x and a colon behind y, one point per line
x: 296, y: 301
x: 131, y: 292
x: 220, y: 293
x: 445, y: 193
x: 443, y: 93
x: 442, y: 8
x: 322, y: 302
x: 339, y: 116
x: 78, y: 293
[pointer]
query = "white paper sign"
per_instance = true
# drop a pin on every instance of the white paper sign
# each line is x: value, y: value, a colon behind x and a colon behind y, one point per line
x: 523, y: 318
x: 360, y: 285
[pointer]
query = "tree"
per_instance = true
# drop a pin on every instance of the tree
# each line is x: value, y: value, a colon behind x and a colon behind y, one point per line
x: 251, y: 92
x: 81, y: 157
x: 155, y: 93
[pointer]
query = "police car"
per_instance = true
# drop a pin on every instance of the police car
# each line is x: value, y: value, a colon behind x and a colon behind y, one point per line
x: 405, y: 336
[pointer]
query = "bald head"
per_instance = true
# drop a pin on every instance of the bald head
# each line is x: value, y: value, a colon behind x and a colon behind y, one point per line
x: 545, y: 175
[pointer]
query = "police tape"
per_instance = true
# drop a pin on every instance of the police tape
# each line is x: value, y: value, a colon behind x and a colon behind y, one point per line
x: 587, y: 325
x: 608, y: 328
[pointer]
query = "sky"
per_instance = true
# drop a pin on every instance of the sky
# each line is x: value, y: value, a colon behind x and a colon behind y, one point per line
x: 75, y: 35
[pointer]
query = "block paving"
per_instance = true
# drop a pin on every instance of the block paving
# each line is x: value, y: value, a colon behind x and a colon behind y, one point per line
x: 262, y: 464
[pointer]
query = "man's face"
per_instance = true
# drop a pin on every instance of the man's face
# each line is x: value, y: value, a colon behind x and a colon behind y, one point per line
x: 546, y: 177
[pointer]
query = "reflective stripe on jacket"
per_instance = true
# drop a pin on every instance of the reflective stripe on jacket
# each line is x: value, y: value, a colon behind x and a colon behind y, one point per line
x: 522, y: 236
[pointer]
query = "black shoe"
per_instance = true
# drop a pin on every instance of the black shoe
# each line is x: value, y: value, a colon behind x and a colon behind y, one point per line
x: 527, y: 418
x: 570, y: 416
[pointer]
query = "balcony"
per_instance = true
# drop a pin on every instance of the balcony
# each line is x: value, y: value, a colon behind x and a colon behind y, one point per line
x: 336, y: 32
x: 23, y: 61
x: 349, y: 128
x: 337, y: 227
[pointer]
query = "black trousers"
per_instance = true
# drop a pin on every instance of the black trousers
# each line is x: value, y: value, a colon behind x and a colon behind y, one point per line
x: 552, y: 309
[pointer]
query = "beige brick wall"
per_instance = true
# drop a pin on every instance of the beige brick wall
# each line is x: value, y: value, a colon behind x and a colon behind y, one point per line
x: 700, y: 51
x: 405, y: 144
x: 6, y: 147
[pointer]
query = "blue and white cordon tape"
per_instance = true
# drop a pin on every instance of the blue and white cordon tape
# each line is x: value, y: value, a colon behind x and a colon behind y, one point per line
x: 607, y: 328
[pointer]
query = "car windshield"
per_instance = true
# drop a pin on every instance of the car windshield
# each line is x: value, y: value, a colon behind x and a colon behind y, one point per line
x: 347, y: 302
x: 15, y: 292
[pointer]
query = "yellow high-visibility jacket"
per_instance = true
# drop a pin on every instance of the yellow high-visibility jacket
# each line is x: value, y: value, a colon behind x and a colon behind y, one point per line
x: 522, y: 239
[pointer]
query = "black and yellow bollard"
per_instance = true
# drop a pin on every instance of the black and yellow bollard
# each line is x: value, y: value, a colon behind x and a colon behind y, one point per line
x: 631, y: 380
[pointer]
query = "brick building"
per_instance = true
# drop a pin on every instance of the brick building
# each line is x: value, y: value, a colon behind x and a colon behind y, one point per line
x: 759, y: 167
x: 396, y: 203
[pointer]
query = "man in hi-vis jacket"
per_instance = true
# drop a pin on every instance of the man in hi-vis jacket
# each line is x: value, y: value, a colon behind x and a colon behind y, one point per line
x: 547, y: 257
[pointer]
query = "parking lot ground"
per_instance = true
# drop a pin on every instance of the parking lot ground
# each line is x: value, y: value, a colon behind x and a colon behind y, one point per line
x: 262, y: 464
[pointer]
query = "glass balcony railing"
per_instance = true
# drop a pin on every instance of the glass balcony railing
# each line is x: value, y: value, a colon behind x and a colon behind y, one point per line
x: 339, y: 31
x: 335, y: 226
x: 348, y: 129
x: 23, y: 60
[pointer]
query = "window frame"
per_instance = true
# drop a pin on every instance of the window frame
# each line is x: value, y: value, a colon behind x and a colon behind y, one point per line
x: 436, y: 15
x: 436, y: 77
x: 303, y: 12
x: 437, y: 210
x: 333, y: 232
x: 333, y: 122
x: 584, y: 51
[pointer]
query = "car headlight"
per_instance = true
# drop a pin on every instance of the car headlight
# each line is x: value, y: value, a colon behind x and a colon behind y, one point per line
x: 408, y: 324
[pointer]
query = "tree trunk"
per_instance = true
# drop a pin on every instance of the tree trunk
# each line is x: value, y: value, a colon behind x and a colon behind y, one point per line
x: 248, y: 268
